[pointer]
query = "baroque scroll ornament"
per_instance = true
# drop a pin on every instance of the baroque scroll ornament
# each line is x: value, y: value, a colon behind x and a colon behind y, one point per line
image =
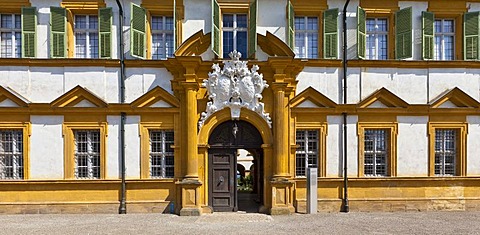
x: 235, y: 87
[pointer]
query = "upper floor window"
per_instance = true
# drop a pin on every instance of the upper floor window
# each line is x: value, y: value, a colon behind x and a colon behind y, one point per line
x: 87, y: 154
x: 234, y: 33
x: 161, y: 154
x: 444, y: 39
x: 306, y: 37
x: 86, y: 36
x: 11, y: 35
x: 307, y: 151
x: 445, y: 151
x: 377, y: 39
x: 11, y: 154
x: 162, y: 37
x: 375, y: 152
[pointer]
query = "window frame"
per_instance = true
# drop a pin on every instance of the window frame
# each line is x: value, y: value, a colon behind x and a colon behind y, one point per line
x: 443, y: 34
x: 461, y: 156
x: 13, y: 31
x: 235, y: 29
x: 387, y: 33
x: 25, y: 127
x: 163, y: 33
x: 305, y: 32
x: 391, y: 159
x: 69, y: 147
x: 322, y: 129
x: 87, y: 31
x: 233, y: 8
x: 144, y: 130
x: 163, y: 154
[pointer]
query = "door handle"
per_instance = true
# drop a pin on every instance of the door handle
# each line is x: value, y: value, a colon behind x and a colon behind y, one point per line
x: 221, y: 179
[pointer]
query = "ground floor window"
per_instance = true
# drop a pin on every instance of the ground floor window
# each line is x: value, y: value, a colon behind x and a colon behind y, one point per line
x: 11, y: 154
x: 445, y: 151
x: 307, y: 151
x: 375, y: 152
x: 161, y: 154
x: 87, y: 154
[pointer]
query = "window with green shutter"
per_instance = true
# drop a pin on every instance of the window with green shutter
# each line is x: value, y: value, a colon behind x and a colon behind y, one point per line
x: 29, y: 28
x: 403, y: 33
x: 428, y: 32
x: 252, y: 29
x: 291, y: 25
x: 138, y: 31
x: 330, y: 33
x: 361, y: 32
x: 105, y: 32
x: 471, y: 35
x: 215, y: 27
x: 58, y: 38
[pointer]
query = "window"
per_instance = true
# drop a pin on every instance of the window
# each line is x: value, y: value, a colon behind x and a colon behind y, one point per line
x: 444, y: 39
x: 377, y: 39
x: 375, y: 152
x: 84, y: 156
x: 11, y: 154
x: 445, y: 151
x: 86, y: 33
x: 304, y: 30
x: 11, y: 35
x: 161, y: 154
x: 306, y: 37
x: 86, y: 36
x: 87, y: 154
x: 234, y: 27
x: 377, y: 149
x: 155, y: 29
x: 307, y: 151
x: 234, y: 34
x: 162, y: 37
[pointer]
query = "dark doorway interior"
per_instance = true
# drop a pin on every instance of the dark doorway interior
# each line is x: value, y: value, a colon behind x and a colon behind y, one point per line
x: 224, y: 177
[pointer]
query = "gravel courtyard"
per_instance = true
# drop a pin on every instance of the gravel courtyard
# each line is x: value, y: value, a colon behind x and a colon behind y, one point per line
x: 243, y: 223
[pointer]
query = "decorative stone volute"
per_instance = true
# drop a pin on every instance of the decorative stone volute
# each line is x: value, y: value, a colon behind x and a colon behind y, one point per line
x: 235, y: 87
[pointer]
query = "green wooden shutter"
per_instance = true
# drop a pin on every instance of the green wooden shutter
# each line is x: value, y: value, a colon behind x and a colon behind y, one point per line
x: 291, y: 26
x: 361, y: 32
x: 471, y: 34
x: 330, y: 34
x: 403, y: 33
x: 58, y: 39
x: 215, y: 27
x: 252, y: 29
x: 29, y: 28
x: 138, y: 39
x: 428, y: 35
x: 105, y: 32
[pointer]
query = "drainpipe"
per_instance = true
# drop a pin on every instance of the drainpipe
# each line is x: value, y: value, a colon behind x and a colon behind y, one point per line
x: 345, y: 207
x: 123, y: 205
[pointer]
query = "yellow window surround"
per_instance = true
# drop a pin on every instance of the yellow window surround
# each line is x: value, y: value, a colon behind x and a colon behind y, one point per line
x: 392, y: 131
x: 69, y: 143
x: 14, y: 6
x: 461, y: 129
x: 163, y: 8
x: 144, y: 128
x: 26, y: 132
x: 322, y: 129
x: 77, y: 7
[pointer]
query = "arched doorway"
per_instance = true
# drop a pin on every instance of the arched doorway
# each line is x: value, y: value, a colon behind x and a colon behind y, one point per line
x: 226, y: 139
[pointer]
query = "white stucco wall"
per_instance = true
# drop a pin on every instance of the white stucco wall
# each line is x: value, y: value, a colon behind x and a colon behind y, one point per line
x: 412, y: 146
x: 112, y: 148
x: 473, y: 146
x: 198, y: 16
x: 441, y: 80
x: 352, y: 145
x: 324, y: 80
x: 334, y: 158
x: 473, y: 6
x: 272, y: 17
x: 141, y: 80
x: 46, y: 147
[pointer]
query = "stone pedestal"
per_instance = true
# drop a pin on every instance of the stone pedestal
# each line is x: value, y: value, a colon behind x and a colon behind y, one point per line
x: 190, y: 197
x: 282, y: 197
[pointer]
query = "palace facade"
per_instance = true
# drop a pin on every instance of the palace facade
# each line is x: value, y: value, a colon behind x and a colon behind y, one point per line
x: 111, y: 106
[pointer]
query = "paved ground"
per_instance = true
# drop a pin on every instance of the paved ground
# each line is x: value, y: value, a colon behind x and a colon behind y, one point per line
x: 246, y: 223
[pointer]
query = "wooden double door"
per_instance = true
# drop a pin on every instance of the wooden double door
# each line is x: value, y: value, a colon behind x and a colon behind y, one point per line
x: 224, y: 142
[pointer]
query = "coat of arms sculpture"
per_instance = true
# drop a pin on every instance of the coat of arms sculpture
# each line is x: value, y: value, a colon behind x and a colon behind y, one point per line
x: 235, y: 87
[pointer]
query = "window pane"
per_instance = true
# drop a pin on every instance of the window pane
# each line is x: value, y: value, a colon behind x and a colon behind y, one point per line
x: 7, y: 45
x: 242, y: 43
x: 228, y: 20
x: 7, y: 21
x: 169, y: 23
x: 18, y: 22
x: 80, y: 21
x: 299, y: 23
x: 93, y: 22
x: 241, y: 21
x: 300, y: 49
x: 227, y: 43
x: 93, y: 41
x: 81, y: 45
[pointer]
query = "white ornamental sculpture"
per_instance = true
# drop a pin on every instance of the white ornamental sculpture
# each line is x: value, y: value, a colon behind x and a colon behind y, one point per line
x: 235, y: 87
